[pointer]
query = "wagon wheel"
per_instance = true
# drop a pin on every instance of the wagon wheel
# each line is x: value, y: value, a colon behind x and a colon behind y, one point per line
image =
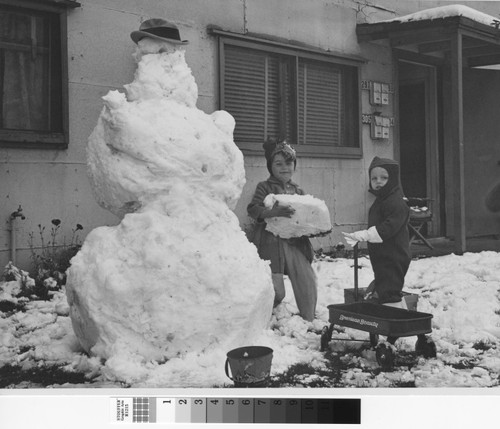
x: 425, y: 346
x: 326, y: 336
x: 385, y: 357
x: 374, y: 339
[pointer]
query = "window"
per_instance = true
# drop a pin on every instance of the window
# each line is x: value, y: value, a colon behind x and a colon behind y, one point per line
x: 273, y: 91
x: 33, y: 82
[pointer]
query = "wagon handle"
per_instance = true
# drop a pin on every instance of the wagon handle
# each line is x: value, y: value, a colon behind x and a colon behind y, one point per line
x: 355, y: 250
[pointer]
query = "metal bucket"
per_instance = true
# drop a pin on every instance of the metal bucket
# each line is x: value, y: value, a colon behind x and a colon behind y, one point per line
x: 250, y: 366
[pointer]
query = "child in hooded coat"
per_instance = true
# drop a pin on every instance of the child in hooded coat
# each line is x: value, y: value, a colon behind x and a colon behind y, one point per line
x: 387, y: 234
x: 291, y: 256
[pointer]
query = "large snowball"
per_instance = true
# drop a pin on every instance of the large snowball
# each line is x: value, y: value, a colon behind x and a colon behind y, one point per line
x: 311, y: 216
x: 161, y: 285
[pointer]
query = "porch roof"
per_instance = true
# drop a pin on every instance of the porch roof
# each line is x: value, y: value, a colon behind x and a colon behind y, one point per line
x: 455, y: 36
x: 428, y: 34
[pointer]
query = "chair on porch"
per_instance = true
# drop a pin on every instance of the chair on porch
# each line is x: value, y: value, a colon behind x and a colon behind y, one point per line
x: 420, y: 215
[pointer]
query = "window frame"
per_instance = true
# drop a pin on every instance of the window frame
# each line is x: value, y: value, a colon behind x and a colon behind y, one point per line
x: 296, y: 51
x: 26, y: 139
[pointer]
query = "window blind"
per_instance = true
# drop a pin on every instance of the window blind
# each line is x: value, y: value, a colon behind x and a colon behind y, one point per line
x: 273, y: 94
x: 319, y: 104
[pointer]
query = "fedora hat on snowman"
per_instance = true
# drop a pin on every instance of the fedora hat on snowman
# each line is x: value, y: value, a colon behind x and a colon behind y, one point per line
x: 158, y: 29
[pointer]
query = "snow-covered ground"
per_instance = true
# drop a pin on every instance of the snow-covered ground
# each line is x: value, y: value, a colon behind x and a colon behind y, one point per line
x: 461, y: 292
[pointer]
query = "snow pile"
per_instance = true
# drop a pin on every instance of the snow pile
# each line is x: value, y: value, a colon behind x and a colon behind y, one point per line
x: 456, y: 297
x: 461, y: 292
x: 311, y: 216
x: 177, y: 275
x: 445, y: 12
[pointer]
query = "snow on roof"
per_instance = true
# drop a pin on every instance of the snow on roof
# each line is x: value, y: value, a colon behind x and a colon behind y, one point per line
x: 445, y: 12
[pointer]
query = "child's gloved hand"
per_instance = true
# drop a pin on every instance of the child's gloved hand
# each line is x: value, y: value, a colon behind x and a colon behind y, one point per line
x: 350, y: 238
x: 369, y: 234
x: 278, y: 211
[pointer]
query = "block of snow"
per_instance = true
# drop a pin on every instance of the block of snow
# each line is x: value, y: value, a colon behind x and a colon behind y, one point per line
x: 311, y: 216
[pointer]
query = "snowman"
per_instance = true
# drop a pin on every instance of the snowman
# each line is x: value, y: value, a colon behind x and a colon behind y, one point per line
x: 177, y: 275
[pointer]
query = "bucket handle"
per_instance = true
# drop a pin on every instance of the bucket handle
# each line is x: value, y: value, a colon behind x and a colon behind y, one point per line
x: 226, y: 368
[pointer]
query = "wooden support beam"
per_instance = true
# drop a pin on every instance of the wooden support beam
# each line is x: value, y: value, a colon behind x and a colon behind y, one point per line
x: 428, y: 35
x: 470, y: 42
x: 414, y: 57
x: 457, y: 143
x: 426, y: 48
x: 483, y: 61
x: 481, y: 51
x: 473, y: 48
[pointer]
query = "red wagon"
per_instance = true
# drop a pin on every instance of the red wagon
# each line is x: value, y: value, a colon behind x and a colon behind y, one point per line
x: 378, y: 319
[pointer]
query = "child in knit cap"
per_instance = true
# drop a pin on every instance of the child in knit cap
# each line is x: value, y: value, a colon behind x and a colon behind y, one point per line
x: 387, y: 234
x: 291, y: 256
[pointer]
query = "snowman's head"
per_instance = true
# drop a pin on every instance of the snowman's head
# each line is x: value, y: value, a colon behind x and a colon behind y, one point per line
x: 158, y: 35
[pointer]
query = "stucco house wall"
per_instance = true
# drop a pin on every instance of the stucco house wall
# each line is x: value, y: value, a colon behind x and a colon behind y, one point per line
x: 52, y: 184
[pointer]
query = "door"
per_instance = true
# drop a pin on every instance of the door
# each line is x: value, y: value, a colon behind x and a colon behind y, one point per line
x: 418, y: 137
x: 413, y: 139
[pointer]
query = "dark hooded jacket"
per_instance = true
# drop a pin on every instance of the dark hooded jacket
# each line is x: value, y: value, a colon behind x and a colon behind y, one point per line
x: 389, y: 214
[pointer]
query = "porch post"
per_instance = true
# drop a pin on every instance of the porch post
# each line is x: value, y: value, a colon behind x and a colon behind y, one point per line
x: 457, y: 143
